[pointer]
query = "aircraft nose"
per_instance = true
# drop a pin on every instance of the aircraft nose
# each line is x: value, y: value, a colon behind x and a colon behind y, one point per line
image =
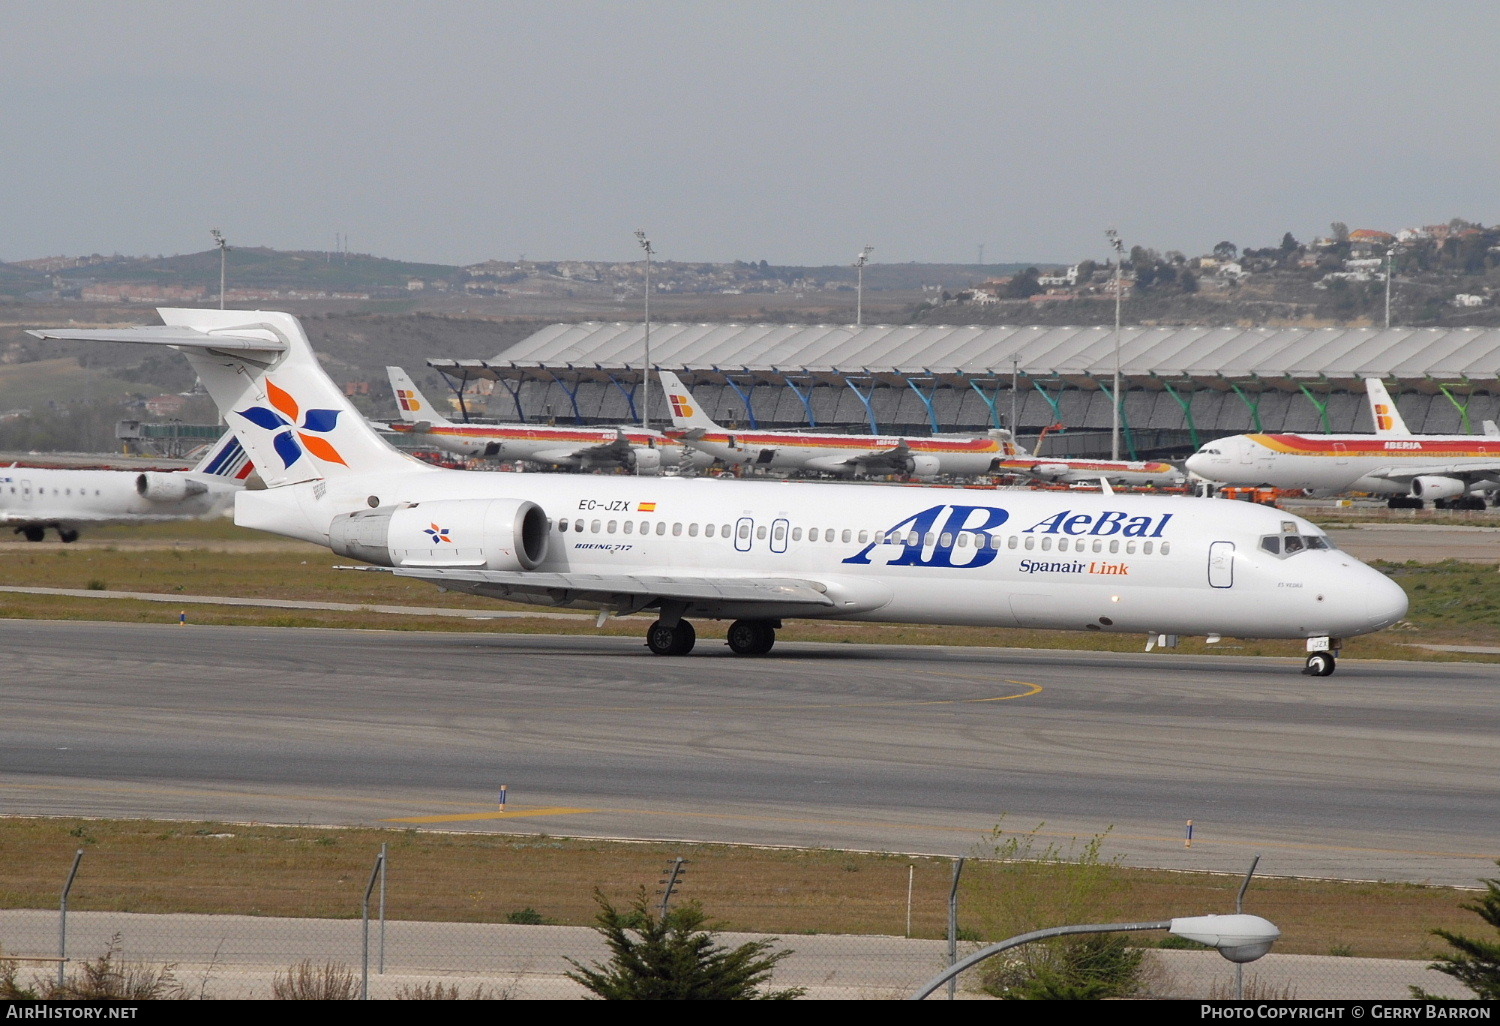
x: 1385, y: 601
x: 1197, y: 463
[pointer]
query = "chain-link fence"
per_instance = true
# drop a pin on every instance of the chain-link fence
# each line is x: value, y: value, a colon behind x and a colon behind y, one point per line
x: 395, y: 935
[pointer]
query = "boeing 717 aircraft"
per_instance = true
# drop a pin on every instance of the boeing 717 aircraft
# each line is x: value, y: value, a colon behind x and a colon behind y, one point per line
x: 845, y: 455
x: 1453, y: 470
x: 758, y: 553
x: 33, y: 499
x: 582, y: 448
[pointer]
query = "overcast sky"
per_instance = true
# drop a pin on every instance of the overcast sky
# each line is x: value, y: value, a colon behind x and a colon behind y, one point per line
x: 794, y: 132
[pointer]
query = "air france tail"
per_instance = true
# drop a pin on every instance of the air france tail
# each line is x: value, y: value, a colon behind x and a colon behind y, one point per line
x: 415, y: 407
x: 686, y: 413
x: 1383, y: 411
x: 226, y: 458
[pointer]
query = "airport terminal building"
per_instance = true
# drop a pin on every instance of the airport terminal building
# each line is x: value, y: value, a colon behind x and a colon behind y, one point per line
x: 1182, y: 385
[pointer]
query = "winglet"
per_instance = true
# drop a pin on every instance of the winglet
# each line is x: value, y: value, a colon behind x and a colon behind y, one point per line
x: 1383, y: 410
x: 685, y: 410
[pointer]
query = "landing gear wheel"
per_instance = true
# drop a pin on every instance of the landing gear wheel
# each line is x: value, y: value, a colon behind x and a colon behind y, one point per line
x: 34, y: 533
x: 671, y: 639
x: 751, y: 637
x: 67, y: 534
x: 1319, y: 664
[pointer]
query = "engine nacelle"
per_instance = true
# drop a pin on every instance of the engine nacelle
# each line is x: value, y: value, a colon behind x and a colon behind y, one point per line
x: 158, y: 487
x: 647, y: 459
x: 1051, y: 471
x: 923, y: 465
x: 488, y: 534
x: 1437, y: 487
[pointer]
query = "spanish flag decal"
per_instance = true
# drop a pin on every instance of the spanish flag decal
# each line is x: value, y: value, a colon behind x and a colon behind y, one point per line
x: 647, y: 507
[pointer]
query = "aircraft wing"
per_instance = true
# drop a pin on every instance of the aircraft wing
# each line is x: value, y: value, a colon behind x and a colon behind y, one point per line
x: 1489, y: 470
x: 616, y: 588
x: 895, y: 460
x: 618, y: 450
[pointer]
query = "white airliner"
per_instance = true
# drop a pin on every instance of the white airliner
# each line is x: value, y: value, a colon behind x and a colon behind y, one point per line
x: 845, y: 455
x: 1454, y: 470
x: 582, y: 448
x: 756, y: 553
x: 32, y: 499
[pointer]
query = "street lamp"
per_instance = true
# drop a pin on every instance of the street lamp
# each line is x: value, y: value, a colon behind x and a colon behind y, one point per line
x: 223, y: 245
x: 859, y: 295
x: 640, y: 236
x: 1390, y: 255
x: 1239, y: 938
x: 1114, y: 435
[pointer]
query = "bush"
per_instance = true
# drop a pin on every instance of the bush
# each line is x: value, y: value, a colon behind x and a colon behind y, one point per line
x: 1474, y: 962
x: 1090, y: 967
x: 305, y: 981
x: 675, y: 958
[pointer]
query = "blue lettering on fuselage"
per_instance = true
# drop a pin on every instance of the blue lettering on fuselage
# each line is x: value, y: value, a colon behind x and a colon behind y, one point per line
x: 1101, y: 524
x: 911, y: 534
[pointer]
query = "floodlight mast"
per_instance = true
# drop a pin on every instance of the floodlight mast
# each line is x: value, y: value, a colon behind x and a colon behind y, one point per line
x: 1114, y: 433
x: 640, y: 236
x: 223, y: 245
x: 859, y: 293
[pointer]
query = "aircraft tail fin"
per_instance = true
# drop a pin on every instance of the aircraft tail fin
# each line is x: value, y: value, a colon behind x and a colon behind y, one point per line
x: 1008, y: 444
x: 1491, y: 429
x: 1383, y: 410
x: 226, y: 458
x: 685, y: 410
x: 295, y: 424
x: 415, y: 407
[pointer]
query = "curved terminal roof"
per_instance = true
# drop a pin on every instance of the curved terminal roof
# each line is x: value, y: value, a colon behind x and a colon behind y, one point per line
x: 1420, y: 359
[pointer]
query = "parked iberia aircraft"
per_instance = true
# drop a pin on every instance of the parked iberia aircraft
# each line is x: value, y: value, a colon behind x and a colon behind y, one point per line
x: 757, y: 552
x: 583, y: 448
x: 1130, y: 472
x: 1455, y: 470
x: 846, y: 455
x: 33, y: 499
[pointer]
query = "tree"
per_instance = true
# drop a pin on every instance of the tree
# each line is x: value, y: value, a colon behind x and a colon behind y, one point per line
x: 1226, y: 250
x: 673, y: 957
x: 1289, y: 244
x: 1340, y: 231
x: 1474, y: 962
x: 1024, y: 284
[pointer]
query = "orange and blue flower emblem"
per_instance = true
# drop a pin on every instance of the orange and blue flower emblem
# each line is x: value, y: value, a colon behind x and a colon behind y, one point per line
x: 293, y: 439
x: 437, y: 534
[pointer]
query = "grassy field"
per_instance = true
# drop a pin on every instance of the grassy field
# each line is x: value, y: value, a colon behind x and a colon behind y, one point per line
x: 219, y: 868
x: 1453, y: 603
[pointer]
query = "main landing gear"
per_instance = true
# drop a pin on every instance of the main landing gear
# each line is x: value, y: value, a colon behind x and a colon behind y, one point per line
x: 35, y: 533
x: 675, y: 636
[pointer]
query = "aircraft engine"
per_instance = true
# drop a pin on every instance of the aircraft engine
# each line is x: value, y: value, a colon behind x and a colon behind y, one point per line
x: 647, y: 460
x: 158, y: 487
x: 1437, y: 487
x: 489, y: 534
x: 923, y: 465
x: 1050, y: 471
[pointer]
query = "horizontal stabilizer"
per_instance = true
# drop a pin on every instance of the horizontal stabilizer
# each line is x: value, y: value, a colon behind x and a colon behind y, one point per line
x: 166, y: 335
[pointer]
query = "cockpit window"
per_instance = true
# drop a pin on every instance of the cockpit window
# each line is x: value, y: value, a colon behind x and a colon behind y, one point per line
x: 1291, y: 544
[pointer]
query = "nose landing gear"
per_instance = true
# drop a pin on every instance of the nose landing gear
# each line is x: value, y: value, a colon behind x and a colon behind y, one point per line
x: 1319, y: 664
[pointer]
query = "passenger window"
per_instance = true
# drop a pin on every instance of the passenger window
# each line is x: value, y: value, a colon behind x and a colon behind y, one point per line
x: 1030, y: 541
x: 963, y: 540
x: 629, y: 527
x: 676, y: 529
x: 708, y: 530
x: 1010, y: 542
x: 913, y: 538
x: 645, y: 527
x: 864, y: 536
x: 594, y: 527
x: 562, y: 525
x: 744, y: 531
x: 1046, y: 542
x: 1130, y: 546
x: 1114, y: 545
x: 610, y: 529
x: 1098, y: 545
x: 760, y: 532
x: 578, y: 525
x: 1166, y: 547
x: 848, y: 535
x: 812, y: 534
x: 692, y: 530
x: 778, y: 533
x: 1062, y: 545
x: 796, y: 534
x: 1146, y: 547
x: 930, y: 539
x: 661, y: 527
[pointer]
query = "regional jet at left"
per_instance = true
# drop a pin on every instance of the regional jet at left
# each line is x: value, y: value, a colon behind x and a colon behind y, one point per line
x: 33, y: 499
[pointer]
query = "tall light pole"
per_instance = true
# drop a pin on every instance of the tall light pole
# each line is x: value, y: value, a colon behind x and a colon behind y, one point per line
x: 223, y: 245
x: 1015, y: 377
x: 1390, y: 254
x: 640, y: 236
x: 1114, y: 435
x: 859, y: 295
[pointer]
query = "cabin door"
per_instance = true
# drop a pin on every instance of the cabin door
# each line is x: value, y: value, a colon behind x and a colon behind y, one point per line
x: 1221, y: 564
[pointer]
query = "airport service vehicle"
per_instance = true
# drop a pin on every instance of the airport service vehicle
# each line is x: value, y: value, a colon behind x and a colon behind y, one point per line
x: 844, y: 455
x: 582, y: 448
x: 758, y: 552
x: 1453, y: 470
x: 33, y: 499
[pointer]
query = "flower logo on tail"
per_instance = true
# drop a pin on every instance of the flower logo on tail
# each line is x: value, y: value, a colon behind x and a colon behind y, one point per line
x: 291, y: 438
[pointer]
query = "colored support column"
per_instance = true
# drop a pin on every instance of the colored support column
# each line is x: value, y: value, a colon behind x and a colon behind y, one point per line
x: 504, y: 793
x: 1188, y: 841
